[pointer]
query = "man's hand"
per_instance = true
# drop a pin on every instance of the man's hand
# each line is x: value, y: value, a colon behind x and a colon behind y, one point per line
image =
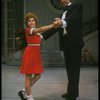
x: 57, y: 23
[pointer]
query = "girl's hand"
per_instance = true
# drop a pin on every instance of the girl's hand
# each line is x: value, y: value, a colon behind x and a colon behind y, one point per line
x: 57, y: 23
x: 17, y: 38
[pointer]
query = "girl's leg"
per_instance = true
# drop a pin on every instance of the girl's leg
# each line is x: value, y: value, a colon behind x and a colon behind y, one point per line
x: 28, y: 83
x: 35, y: 79
x: 28, y: 78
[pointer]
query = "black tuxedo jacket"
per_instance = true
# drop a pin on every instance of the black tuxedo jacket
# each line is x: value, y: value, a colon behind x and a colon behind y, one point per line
x: 74, y: 28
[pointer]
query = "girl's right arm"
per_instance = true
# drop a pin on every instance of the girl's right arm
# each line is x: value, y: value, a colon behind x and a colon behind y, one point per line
x: 43, y: 28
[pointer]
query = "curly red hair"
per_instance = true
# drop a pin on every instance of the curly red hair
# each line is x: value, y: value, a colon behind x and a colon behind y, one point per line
x: 31, y: 15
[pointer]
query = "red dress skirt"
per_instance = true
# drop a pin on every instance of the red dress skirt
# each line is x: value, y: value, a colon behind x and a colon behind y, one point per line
x: 32, y: 59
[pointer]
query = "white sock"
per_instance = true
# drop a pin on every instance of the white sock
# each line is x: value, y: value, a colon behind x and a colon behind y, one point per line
x: 24, y: 90
x: 29, y: 97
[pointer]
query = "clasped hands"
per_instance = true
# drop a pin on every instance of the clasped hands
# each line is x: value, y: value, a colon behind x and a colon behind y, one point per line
x: 57, y: 23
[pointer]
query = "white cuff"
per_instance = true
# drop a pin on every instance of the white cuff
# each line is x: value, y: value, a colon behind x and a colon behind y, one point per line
x: 64, y: 24
x: 31, y: 30
x: 41, y: 36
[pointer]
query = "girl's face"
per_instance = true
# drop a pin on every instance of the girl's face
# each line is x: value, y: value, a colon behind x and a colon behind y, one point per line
x: 31, y: 22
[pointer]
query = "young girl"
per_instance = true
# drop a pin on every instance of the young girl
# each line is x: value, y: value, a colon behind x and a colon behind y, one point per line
x: 32, y: 60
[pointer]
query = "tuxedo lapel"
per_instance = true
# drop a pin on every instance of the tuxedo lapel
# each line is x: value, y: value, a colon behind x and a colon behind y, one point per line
x: 69, y: 9
x: 65, y: 8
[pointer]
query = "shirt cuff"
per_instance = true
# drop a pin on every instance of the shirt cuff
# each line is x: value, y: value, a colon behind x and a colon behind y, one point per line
x: 31, y: 30
x: 41, y: 36
x: 64, y: 24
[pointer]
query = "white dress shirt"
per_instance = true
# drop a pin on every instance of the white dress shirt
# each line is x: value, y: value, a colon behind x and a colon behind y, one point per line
x: 64, y: 22
x: 63, y: 17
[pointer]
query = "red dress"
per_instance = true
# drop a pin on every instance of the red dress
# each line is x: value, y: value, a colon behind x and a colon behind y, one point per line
x: 32, y: 59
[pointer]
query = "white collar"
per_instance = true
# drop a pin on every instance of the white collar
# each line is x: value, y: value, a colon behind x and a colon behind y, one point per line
x: 69, y: 3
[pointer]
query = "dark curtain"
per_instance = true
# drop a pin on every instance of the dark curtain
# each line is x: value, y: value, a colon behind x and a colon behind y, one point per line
x: 19, y: 14
x: 19, y: 7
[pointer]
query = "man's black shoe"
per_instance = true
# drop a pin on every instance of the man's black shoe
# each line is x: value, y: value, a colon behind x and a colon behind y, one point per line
x: 66, y: 96
x: 21, y: 94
